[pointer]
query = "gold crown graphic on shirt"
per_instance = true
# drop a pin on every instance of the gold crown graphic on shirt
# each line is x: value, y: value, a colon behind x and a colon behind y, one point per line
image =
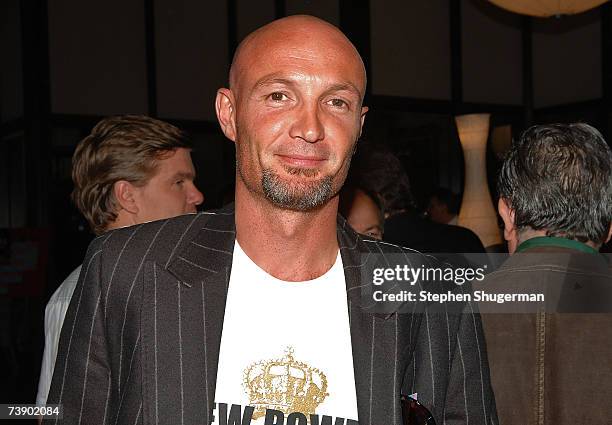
x: 284, y: 384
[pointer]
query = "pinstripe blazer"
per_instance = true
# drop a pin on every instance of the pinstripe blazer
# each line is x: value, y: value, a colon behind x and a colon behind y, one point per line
x: 140, y: 343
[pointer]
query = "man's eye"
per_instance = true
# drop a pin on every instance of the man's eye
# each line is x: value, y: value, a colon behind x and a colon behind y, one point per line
x: 278, y: 96
x: 338, y: 103
x: 179, y: 182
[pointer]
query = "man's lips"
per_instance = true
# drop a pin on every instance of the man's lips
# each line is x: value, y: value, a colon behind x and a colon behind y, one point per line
x: 297, y: 160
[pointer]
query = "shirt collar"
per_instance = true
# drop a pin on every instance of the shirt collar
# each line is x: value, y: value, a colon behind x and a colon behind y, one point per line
x: 554, y: 241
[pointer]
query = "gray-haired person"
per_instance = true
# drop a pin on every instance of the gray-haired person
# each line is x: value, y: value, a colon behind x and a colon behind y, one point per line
x: 555, y: 367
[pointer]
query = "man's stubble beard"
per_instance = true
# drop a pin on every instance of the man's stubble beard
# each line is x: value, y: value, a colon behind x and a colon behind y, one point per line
x: 295, y: 195
x: 298, y: 196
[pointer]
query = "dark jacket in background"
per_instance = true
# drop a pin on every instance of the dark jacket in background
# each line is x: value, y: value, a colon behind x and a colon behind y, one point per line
x: 410, y: 230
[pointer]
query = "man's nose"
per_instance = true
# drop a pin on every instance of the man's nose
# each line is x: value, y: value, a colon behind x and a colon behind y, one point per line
x: 307, y: 124
x: 195, y: 196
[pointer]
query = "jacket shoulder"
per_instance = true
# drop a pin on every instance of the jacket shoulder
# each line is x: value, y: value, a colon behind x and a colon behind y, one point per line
x: 387, y: 247
x: 155, y: 240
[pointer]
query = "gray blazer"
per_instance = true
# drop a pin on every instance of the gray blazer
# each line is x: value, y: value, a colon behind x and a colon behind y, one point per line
x: 140, y: 344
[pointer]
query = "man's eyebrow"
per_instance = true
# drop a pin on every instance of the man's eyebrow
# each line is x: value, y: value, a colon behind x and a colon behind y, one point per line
x: 183, y: 175
x: 271, y: 79
x: 344, y: 87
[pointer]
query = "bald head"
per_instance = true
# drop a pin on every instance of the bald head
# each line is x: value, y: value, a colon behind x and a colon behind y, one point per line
x: 299, y: 36
x: 295, y: 111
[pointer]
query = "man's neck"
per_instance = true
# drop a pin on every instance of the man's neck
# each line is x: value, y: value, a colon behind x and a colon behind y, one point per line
x: 123, y: 219
x: 290, y: 245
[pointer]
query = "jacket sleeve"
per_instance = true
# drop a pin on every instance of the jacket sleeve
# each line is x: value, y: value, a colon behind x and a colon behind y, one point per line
x: 469, y: 394
x: 449, y: 369
x: 81, y: 379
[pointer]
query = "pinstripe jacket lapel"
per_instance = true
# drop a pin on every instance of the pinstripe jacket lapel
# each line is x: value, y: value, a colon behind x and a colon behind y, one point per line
x: 202, y: 267
x: 379, y: 341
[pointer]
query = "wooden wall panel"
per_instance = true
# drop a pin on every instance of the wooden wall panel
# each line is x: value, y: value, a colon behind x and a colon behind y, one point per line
x: 492, y: 54
x: 410, y: 45
x: 13, y: 200
x: 11, y: 78
x: 192, y: 57
x: 252, y: 15
x: 97, y: 57
x: 324, y: 9
x: 567, y: 59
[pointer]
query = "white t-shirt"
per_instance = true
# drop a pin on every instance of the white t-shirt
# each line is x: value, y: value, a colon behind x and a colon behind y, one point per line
x: 55, y: 312
x: 285, y: 346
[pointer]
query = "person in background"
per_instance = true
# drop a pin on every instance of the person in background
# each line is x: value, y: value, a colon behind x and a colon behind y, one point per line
x: 443, y: 206
x: 381, y: 172
x: 555, y: 367
x: 363, y: 211
x: 131, y: 169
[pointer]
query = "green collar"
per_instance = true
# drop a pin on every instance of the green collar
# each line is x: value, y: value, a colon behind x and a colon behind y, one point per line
x: 553, y: 241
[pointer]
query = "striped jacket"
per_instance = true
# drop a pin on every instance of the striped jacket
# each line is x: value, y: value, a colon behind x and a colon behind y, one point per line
x: 140, y: 344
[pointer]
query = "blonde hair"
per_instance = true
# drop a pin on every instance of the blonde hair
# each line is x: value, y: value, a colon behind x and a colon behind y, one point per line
x: 123, y: 147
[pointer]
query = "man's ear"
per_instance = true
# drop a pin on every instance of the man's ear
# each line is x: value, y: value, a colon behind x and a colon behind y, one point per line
x: 364, y: 110
x: 125, y: 194
x: 507, y: 215
x: 226, y: 112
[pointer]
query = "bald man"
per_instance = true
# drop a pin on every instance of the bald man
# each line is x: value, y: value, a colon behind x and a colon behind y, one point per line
x: 254, y: 315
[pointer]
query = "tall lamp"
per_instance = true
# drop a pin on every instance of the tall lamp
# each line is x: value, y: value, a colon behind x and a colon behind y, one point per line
x: 477, y: 211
